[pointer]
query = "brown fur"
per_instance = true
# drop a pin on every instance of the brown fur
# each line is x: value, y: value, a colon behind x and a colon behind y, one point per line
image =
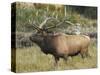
x: 62, y: 45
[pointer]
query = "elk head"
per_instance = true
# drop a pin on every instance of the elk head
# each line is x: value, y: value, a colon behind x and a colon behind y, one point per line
x: 41, y: 34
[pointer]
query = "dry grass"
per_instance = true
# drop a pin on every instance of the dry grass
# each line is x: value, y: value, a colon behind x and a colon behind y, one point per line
x: 32, y: 59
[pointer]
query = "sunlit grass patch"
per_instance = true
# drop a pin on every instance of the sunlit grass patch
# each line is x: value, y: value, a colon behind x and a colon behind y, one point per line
x: 33, y: 59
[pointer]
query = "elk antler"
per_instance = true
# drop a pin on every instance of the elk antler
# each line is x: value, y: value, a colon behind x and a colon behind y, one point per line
x: 41, y: 25
x: 45, y: 21
x: 40, y: 28
x: 69, y: 22
x: 64, y: 20
x: 56, y: 25
x: 36, y: 27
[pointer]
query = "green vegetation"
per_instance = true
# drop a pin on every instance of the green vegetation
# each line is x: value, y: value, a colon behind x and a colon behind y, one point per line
x: 27, y: 14
x: 31, y: 58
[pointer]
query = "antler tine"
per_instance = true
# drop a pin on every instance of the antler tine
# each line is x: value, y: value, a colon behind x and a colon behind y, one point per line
x: 64, y: 20
x: 43, y: 23
x: 55, y: 25
x: 69, y: 22
x: 35, y: 26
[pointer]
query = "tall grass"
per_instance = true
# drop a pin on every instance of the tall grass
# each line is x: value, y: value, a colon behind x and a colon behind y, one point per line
x: 32, y: 58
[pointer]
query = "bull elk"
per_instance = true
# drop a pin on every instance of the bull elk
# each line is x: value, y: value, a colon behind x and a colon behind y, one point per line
x: 61, y: 45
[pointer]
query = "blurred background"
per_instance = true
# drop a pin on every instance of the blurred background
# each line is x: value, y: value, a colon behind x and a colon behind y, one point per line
x: 80, y: 20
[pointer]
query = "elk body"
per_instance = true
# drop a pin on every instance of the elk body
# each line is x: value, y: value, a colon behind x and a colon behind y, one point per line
x: 61, y: 45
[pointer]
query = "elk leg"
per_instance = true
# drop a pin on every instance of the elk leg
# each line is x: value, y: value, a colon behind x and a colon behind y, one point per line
x: 87, y: 53
x: 65, y: 58
x: 84, y: 53
x: 56, y: 61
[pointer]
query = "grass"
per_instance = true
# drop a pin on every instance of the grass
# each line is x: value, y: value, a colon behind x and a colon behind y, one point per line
x: 32, y: 60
